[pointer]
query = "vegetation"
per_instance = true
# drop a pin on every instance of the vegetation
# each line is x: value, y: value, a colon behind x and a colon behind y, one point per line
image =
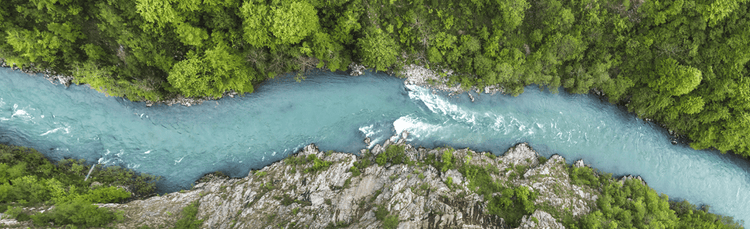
x: 632, y: 204
x: 511, y: 205
x: 27, y: 179
x: 389, y: 221
x: 683, y: 63
x: 189, y: 219
x: 318, y: 165
x: 394, y: 154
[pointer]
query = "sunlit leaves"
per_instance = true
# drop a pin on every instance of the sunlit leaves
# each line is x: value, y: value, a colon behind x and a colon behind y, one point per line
x: 34, y: 45
x: 158, y: 11
x: 279, y: 24
x: 216, y: 71
x: 65, y: 30
x: 378, y: 50
x: 191, y: 35
x: 293, y: 21
x: 513, y: 12
x: 255, y: 25
x: 675, y: 79
x: 715, y: 11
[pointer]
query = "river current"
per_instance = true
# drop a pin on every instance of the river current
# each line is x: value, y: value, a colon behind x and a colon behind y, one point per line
x: 336, y: 112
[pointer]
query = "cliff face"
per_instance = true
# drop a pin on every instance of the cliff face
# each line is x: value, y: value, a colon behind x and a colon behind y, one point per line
x: 418, y: 196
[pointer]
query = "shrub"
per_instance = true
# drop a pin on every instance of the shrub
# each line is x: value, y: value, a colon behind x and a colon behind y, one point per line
x: 390, y: 222
x: 513, y: 204
x: 189, y: 219
x: 447, y: 163
x: 381, y: 213
x: 583, y: 176
x: 79, y: 212
x: 318, y: 165
x: 355, y: 171
x: 17, y: 213
x: 140, y: 184
x: 109, y: 194
x: 394, y: 154
x: 28, y: 178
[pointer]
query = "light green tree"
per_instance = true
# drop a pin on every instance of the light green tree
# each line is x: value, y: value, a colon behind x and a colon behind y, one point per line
x: 377, y: 50
x: 674, y: 79
x: 281, y: 23
x: 218, y: 70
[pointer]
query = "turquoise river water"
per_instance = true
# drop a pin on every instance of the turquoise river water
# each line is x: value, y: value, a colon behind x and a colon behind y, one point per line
x: 336, y: 112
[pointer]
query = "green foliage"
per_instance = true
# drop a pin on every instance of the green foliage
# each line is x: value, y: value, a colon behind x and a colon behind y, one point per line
x: 77, y: 212
x: 394, y: 154
x: 355, y: 171
x: 293, y: 21
x: 693, y: 217
x: 189, y: 218
x: 681, y: 63
x: 377, y: 49
x: 512, y: 203
x: 449, y: 182
x: 17, y: 213
x: 281, y: 23
x: 318, y: 165
x: 29, y: 179
x: 632, y: 204
x: 583, y: 176
x: 141, y: 184
x: 674, y: 79
x: 447, y: 160
x: 109, y: 194
x: 217, y: 71
x: 390, y: 222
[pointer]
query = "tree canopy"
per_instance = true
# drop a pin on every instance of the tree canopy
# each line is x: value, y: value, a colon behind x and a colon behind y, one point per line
x: 682, y: 63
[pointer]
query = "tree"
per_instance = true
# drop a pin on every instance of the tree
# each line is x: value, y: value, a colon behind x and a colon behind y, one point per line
x: 293, y: 21
x: 673, y: 79
x: 216, y: 71
x: 288, y: 22
x: 377, y: 50
x: 513, y: 12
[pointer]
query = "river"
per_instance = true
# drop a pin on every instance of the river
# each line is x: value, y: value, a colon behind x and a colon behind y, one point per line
x: 336, y: 112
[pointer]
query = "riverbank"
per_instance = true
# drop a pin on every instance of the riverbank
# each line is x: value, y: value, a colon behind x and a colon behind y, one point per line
x: 392, y: 185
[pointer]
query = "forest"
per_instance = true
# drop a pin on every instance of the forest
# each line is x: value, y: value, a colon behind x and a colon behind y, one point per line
x: 683, y: 63
x: 28, y: 179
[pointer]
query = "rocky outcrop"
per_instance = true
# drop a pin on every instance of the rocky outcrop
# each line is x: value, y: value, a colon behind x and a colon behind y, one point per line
x: 356, y: 69
x: 417, y: 195
x: 540, y: 219
x: 421, y: 76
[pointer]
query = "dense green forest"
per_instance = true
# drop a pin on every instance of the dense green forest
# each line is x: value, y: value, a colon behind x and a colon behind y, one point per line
x: 632, y: 204
x: 28, y: 179
x: 683, y: 63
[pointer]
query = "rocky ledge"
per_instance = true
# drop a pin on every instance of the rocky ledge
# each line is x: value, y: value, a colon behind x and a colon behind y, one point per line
x: 435, y: 79
x: 327, y: 191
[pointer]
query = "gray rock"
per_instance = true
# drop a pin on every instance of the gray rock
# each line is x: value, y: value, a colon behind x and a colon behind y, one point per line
x: 579, y: 163
x: 540, y: 219
x: 283, y: 194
